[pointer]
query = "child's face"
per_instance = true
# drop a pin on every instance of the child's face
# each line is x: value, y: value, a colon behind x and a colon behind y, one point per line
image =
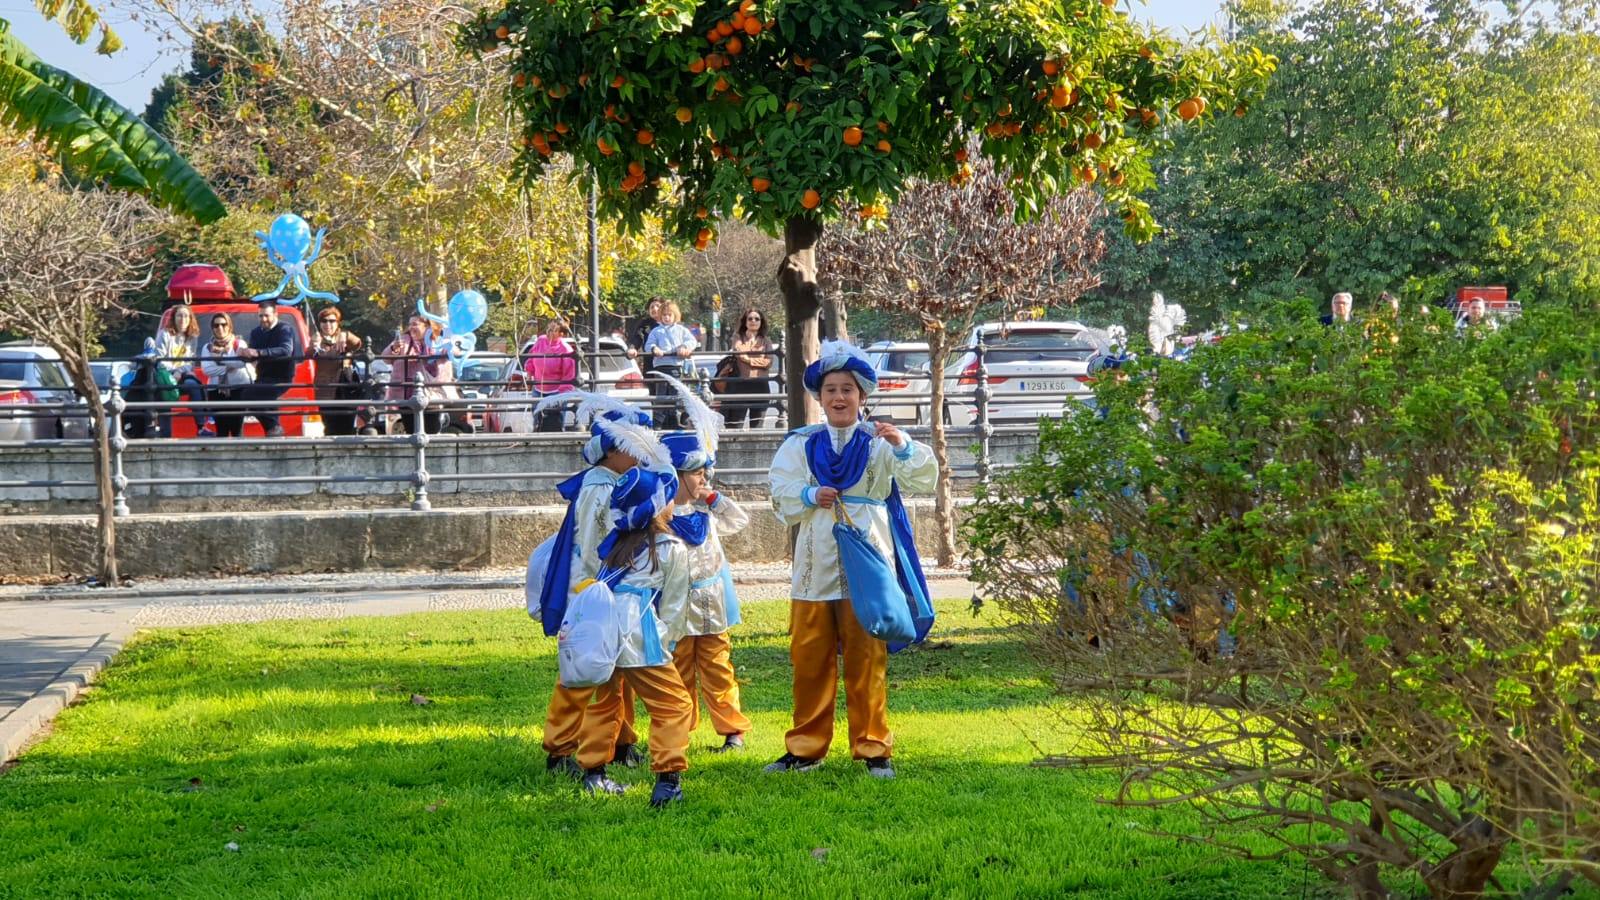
x: 668, y: 317
x: 690, y: 484
x: 841, y: 399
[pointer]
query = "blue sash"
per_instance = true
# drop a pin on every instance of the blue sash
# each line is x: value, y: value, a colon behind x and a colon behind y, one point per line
x: 649, y: 632
x: 694, y: 528
x: 558, y: 578
x: 845, y: 470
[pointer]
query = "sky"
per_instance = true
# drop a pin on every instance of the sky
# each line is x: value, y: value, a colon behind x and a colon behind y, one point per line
x: 133, y: 72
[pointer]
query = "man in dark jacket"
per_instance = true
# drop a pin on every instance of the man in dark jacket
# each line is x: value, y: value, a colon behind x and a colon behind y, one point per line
x: 273, y: 349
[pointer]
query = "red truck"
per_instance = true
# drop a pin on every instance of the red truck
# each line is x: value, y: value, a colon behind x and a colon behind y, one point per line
x: 208, y: 291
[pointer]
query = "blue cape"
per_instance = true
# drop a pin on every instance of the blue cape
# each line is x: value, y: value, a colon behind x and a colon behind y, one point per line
x: 558, y: 578
x: 843, y: 470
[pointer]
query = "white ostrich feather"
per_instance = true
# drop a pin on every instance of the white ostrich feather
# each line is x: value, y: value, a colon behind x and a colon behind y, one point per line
x: 638, y: 442
x: 707, y: 423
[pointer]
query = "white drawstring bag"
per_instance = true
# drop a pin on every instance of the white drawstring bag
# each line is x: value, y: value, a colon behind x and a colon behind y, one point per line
x: 590, y: 638
x: 538, y: 565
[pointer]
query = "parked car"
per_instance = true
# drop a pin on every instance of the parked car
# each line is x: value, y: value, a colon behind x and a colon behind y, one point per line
x: 33, y: 373
x: 480, y: 377
x: 902, y: 369
x: 619, y: 377
x: 1033, y: 368
x: 107, y: 372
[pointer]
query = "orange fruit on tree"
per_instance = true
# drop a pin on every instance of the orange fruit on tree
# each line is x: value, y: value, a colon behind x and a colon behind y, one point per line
x: 636, y: 168
x: 1093, y: 140
x: 605, y: 148
x: 1189, y: 110
x: 724, y: 28
x: 883, y: 126
x: 561, y: 128
x: 502, y: 32
x: 721, y: 85
x: 753, y: 26
x: 697, y: 66
x: 884, y: 146
x: 852, y: 136
x: 684, y: 115
x: 583, y: 79
x: 702, y: 213
x: 618, y: 81
x: 760, y: 185
x: 737, y: 19
x: 1050, y: 67
x: 1117, y: 178
x: 712, y: 37
x: 1240, y: 110
x: 536, y: 81
x: 703, y: 235
x: 810, y: 199
x: 792, y: 106
x: 1059, y: 95
x: 520, y: 80
x: 1146, y: 52
x: 961, y: 154
x: 735, y: 46
x: 645, y: 137
x: 746, y: 5
x: 1087, y: 175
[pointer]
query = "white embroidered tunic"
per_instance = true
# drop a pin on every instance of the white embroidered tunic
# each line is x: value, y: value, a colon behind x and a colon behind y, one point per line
x: 591, y: 522
x: 817, y: 574
x: 649, y: 630
x: 710, y: 582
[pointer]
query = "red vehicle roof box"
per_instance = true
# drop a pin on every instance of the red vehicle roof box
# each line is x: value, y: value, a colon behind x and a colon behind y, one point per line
x: 199, y: 281
x: 1493, y: 297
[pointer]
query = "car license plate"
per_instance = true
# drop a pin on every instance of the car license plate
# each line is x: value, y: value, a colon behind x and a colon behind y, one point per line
x: 1054, y: 387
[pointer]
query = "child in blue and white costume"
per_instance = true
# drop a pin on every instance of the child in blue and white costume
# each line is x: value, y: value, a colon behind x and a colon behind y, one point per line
x: 618, y: 436
x: 863, y: 467
x: 647, y: 566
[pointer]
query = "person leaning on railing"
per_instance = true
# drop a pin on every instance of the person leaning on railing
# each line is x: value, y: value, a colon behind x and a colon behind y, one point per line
x: 176, y: 350
x: 412, y: 354
x: 227, y: 374
x: 334, y: 350
x: 670, y: 345
x: 751, y: 359
x: 552, y: 366
x: 274, y: 350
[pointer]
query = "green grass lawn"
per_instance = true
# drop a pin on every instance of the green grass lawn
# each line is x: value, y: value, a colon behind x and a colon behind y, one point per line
x: 298, y: 742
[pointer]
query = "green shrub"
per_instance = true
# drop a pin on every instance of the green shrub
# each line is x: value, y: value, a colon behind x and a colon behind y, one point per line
x: 1339, y: 583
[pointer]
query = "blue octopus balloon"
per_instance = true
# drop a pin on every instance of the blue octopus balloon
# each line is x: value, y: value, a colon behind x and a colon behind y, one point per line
x: 289, y: 246
x: 466, y: 312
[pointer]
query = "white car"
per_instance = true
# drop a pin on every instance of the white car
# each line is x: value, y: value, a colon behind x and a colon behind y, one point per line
x: 902, y: 369
x: 1034, y: 368
x: 108, y: 372
x: 619, y: 377
x: 34, y: 373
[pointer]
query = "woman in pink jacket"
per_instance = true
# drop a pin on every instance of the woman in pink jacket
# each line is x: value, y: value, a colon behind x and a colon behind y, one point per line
x: 552, y: 366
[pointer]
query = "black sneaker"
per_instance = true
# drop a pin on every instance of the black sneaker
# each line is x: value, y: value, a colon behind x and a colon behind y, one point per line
x: 733, y: 742
x: 595, y: 781
x: 667, y: 790
x: 563, y: 765
x: 878, y: 767
x: 791, y: 763
x: 629, y: 755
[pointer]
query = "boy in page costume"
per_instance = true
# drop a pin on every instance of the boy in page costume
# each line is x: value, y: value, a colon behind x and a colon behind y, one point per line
x: 647, y: 567
x: 618, y: 435
x: 864, y: 467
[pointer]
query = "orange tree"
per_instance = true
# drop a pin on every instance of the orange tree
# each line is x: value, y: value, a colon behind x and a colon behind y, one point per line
x: 787, y: 114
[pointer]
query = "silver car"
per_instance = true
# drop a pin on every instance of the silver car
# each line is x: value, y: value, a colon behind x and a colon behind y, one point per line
x: 33, y: 373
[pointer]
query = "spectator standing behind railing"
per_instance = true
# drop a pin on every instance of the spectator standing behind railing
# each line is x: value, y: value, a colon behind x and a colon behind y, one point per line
x: 641, y: 334
x: 334, y: 350
x: 412, y: 354
x: 752, y: 363
x: 552, y: 367
x: 272, y: 348
x: 228, y: 376
x: 177, y: 350
x: 669, y: 345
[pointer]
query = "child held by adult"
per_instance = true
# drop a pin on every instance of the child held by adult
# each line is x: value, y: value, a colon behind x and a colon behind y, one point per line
x: 821, y: 473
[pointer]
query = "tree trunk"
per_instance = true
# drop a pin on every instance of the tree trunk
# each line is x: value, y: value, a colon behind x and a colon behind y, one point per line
x: 835, y: 321
x: 797, y: 279
x: 943, y: 505
x: 1465, y: 873
x: 106, y: 528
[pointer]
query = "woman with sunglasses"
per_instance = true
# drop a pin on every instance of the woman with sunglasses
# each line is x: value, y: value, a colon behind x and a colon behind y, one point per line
x: 752, y: 360
x: 334, y: 350
x: 227, y: 374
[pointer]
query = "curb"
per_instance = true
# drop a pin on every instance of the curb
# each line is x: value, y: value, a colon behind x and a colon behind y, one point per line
x: 18, y: 729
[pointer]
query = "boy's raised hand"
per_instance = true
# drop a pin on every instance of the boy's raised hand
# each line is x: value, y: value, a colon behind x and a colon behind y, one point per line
x: 891, y: 434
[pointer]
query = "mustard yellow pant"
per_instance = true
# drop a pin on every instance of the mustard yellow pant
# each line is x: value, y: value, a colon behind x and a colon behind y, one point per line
x: 563, y: 723
x: 664, y: 699
x: 705, y: 663
x: 817, y: 631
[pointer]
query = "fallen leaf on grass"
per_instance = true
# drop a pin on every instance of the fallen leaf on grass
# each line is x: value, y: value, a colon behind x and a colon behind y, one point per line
x: 434, y: 806
x: 820, y: 854
x: 231, y: 847
x: 419, y: 700
x: 239, y: 828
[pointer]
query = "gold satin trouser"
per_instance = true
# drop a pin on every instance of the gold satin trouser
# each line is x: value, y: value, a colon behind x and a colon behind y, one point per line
x: 817, y: 631
x: 705, y: 662
x: 664, y: 699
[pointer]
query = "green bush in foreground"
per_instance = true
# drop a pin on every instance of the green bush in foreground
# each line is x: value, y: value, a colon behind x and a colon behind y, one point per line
x: 1337, y: 584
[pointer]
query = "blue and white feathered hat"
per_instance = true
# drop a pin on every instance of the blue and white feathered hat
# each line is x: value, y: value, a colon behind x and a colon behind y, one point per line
x: 615, y: 426
x: 837, y: 356
x: 697, y: 449
x: 640, y: 496
x: 689, y: 453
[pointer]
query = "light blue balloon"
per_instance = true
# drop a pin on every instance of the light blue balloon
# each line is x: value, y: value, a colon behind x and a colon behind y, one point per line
x: 290, y: 238
x: 468, y: 310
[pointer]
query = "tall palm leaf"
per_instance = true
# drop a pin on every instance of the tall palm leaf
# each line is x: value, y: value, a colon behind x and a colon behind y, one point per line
x: 98, y: 139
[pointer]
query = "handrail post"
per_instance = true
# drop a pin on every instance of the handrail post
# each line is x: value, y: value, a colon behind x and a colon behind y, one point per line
x: 985, y: 430
x: 117, y: 443
x: 419, y: 441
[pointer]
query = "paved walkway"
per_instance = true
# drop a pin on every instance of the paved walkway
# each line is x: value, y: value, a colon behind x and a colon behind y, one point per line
x: 54, y: 641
